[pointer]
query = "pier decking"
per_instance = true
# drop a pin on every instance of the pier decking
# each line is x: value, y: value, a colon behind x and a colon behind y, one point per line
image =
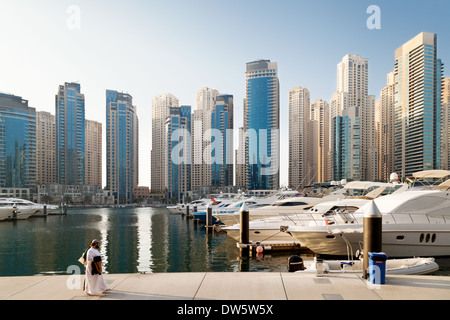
x: 229, y: 286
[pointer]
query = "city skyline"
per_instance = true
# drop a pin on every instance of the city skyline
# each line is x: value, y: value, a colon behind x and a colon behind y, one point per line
x: 157, y: 57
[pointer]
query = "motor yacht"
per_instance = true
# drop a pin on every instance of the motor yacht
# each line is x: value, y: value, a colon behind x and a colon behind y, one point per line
x: 270, y: 229
x: 17, y: 209
x: 415, y: 223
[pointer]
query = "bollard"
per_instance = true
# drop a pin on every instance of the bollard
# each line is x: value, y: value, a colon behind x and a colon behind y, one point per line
x: 209, y: 224
x: 244, y: 231
x: 373, y: 236
x: 45, y: 209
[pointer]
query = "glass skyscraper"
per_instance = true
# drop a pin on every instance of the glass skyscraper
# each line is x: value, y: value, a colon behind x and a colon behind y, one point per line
x: 261, y: 125
x: 17, y: 142
x: 222, y: 121
x: 178, y: 153
x: 70, y: 135
x: 418, y: 75
x: 122, y: 146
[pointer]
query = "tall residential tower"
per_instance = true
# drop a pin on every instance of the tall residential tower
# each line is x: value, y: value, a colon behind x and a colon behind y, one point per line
x: 70, y: 135
x: 122, y: 146
x: 418, y: 78
x: 262, y: 124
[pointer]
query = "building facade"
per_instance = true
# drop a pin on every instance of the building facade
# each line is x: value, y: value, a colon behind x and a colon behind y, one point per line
x: 93, y: 159
x: 45, y: 148
x: 178, y: 154
x: 17, y: 142
x: 262, y: 124
x: 302, y: 159
x: 222, y: 145
x: 160, y: 111
x: 70, y: 134
x: 418, y: 79
x: 354, y: 151
x: 320, y: 117
x: 122, y: 146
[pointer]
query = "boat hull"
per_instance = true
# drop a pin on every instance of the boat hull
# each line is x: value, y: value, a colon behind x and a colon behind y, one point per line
x: 425, y: 240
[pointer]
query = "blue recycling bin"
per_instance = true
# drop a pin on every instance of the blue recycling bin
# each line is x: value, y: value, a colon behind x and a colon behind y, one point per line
x: 377, y: 267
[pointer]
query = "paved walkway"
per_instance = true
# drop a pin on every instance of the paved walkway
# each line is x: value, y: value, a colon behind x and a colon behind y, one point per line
x: 229, y: 286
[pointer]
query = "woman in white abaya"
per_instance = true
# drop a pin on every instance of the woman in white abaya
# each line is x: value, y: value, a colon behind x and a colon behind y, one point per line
x: 94, y: 283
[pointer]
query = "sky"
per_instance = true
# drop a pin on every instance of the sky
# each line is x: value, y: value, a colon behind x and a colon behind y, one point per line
x: 150, y: 47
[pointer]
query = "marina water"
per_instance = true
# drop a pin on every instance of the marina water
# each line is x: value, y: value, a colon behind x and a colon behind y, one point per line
x: 133, y: 240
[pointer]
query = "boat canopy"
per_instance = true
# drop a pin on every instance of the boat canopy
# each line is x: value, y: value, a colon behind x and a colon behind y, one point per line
x: 430, y: 174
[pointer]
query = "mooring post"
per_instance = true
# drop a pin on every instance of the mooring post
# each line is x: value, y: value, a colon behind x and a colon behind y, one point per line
x: 373, y: 235
x: 244, y: 231
x: 187, y: 212
x: 209, y: 224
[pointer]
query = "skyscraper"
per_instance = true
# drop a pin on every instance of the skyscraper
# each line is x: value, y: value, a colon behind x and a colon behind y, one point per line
x: 418, y: 78
x: 302, y: 171
x: 200, y: 132
x: 93, y: 159
x: 222, y: 145
x: 17, y: 142
x: 386, y: 129
x: 262, y: 124
x: 70, y: 135
x: 45, y: 148
x: 320, y: 118
x: 160, y: 111
x: 445, y: 150
x: 353, y: 132
x: 178, y: 153
x: 122, y: 146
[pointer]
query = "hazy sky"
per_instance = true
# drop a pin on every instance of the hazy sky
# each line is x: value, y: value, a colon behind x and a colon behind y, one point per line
x: 150, y: 47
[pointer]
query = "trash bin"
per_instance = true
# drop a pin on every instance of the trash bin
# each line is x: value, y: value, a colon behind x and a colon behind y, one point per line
x: 295, y: 263
x: 377, y: 267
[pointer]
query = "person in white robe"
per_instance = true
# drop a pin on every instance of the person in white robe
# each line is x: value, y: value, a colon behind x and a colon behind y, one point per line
x: 94, y: 283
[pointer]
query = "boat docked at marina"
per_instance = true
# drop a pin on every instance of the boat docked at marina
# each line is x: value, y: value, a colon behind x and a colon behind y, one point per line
x: 20, y: 209
x: 271, y: 229
x: 228, y: 215
x: 414, y: 223
x: 409, y: 266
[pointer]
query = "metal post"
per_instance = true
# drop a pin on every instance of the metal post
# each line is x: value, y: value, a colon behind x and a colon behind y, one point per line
x: 244, y: 231
x: 373, y: 235
x: 209, y: 224
x: 187, y: 213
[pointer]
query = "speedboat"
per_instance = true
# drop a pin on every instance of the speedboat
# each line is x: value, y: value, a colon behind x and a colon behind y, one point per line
x: 414, y: 223
x: 271, y: 228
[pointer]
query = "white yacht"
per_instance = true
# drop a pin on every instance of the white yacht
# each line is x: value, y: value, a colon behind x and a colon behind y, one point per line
x: 6, y: 210
x: 270, y: 229
x: 415, y: 223
x: 279, y: 208
x: 17, y: 209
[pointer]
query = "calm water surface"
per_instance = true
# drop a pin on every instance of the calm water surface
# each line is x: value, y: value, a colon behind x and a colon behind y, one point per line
x: 133, y: 240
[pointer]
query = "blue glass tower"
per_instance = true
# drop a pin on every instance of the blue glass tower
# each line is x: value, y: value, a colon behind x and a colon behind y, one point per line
x: 418, y: 78
x: 261, y: 125
x: 222, y: 146
x: 122, y: 150
x: 17, y: 142
x: 178, y: 153
x: 70, y: 135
